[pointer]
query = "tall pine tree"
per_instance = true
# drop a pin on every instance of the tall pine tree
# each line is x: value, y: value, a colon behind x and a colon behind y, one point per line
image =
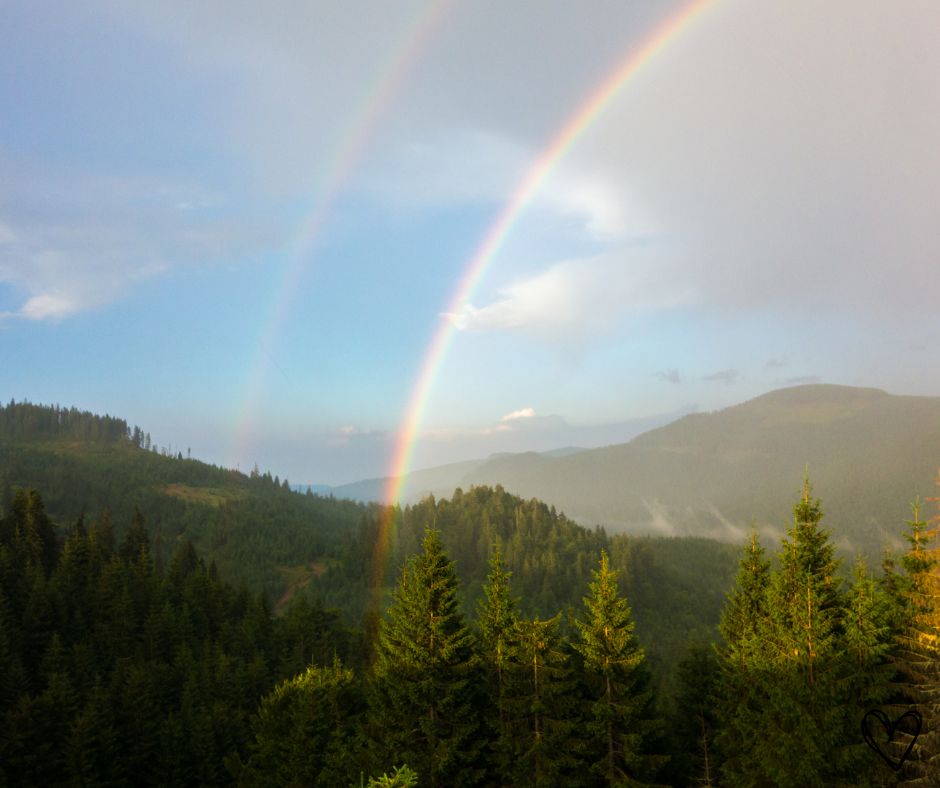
x: 424, y: 699
x: 497, y: 619
x: 917, y: 655
x: 621, y: 719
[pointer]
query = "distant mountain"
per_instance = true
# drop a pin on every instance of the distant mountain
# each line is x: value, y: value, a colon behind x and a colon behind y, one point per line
x: 542, y: 435
x: 869, y: 453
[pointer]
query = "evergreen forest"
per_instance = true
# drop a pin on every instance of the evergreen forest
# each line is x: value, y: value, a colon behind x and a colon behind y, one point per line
x: 165, y: 622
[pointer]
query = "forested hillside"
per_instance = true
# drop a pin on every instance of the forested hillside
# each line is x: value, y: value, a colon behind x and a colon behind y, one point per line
x: 259, y: 533
x: 254, y: 528
x: 246, y: 634
x: 116, y: 671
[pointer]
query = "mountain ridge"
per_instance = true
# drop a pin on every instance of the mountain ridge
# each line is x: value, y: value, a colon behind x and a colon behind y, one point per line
x: 868, y: 453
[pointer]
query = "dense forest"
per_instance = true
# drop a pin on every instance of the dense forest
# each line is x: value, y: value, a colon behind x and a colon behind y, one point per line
x: 116, y: 671
x: 261, y: 535
x: 475, y: 640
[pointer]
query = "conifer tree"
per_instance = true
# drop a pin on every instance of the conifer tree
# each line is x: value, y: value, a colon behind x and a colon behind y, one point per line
x: 794, y: 680
x: 539, y: 702
x: 801, y: 659
x: 427, y: 676
x: 741, y: 693
x: 304, y: 730
x: 497, y: 620
x: 694, y: 721
x: 621, y: 718
x: 917, y: 657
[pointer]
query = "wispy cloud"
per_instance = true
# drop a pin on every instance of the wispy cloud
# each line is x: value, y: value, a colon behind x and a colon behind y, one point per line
x: 669, y: 376
x: 578, y: 298
x: 726, y: 376
x: 75, y: 241
x: 803, y: 380
x: 777, y: 363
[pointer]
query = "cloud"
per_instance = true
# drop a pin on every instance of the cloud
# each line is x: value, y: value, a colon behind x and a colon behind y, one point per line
x: 803, y: 380
x: 578, y: 298
x: 669, y: 376
x: 777, y: 363
x: 72, y: 241
x: 522, y: 413
x: 802, y: 187
x: 727, y: 376
x: 45, y: 306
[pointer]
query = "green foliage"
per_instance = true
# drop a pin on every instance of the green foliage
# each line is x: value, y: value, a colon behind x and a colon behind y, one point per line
x: 497, y: 620
x: 113, y: 673
x: 803, y: 658
x: 427, y: 675
x: 694, y: 720
x: 305, y: 731
x: 917, y: 657
x: 541, y: 706
x: 400, y: 777
x: 621, y: 718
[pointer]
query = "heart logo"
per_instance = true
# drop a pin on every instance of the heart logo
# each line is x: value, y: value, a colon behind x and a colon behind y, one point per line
x: 911, y: 727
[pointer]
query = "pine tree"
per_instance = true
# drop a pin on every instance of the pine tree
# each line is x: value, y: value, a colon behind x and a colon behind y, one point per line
x: 794, y: 679
x: 539, y: 702
x: 694, y: 719
x: 497, y: 620
x: 801, y: 659
x: 741, y: 692
x: 621, y: 717
x: 917, y: 656
x: 304, y: 730
x: 426, y: 676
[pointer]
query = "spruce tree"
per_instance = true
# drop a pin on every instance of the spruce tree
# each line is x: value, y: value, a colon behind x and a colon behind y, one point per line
x: 794, y: 678
x: 917, y: 655
x: 497, y: 619
x: 540, y: 705
x: 801, y: 659
x: 621, y: 717
x: 741, y: 693
x: 694, y: 720
x: 424, y: 701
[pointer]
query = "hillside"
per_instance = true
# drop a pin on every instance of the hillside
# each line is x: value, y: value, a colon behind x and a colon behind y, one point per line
x: 292, y: 545
x: 869, y: 453
x: 253, y: 527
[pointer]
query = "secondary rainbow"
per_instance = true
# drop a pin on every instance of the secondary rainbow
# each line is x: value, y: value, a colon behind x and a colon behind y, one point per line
x: 353, y: 142
x: 587, y: 113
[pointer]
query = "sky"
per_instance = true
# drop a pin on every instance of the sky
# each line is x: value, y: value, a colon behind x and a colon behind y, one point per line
x: 243, y: 226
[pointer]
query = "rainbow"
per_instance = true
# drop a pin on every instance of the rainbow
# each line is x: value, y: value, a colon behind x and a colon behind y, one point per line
x: 355, y: 139
x: 585, y: 115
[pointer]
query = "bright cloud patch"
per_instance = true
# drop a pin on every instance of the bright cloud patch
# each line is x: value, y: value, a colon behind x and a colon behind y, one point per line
x: 522, y: 413
x: 48, y: 306
x: 579, y: 297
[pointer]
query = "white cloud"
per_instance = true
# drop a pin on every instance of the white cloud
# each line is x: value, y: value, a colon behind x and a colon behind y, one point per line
x: 580, y: 297
x: 73, y: 241
x: 48, y: 306
x: 522, y: 413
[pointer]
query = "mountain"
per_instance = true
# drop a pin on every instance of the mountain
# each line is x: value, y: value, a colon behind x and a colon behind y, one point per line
x: 868, y: 453
x: 518, y: 434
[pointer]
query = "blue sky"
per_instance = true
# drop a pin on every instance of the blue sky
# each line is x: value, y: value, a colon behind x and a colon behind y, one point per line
x: 756, y: 209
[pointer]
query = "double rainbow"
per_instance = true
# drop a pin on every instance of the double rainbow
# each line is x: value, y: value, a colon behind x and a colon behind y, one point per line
x: 587, y: 113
